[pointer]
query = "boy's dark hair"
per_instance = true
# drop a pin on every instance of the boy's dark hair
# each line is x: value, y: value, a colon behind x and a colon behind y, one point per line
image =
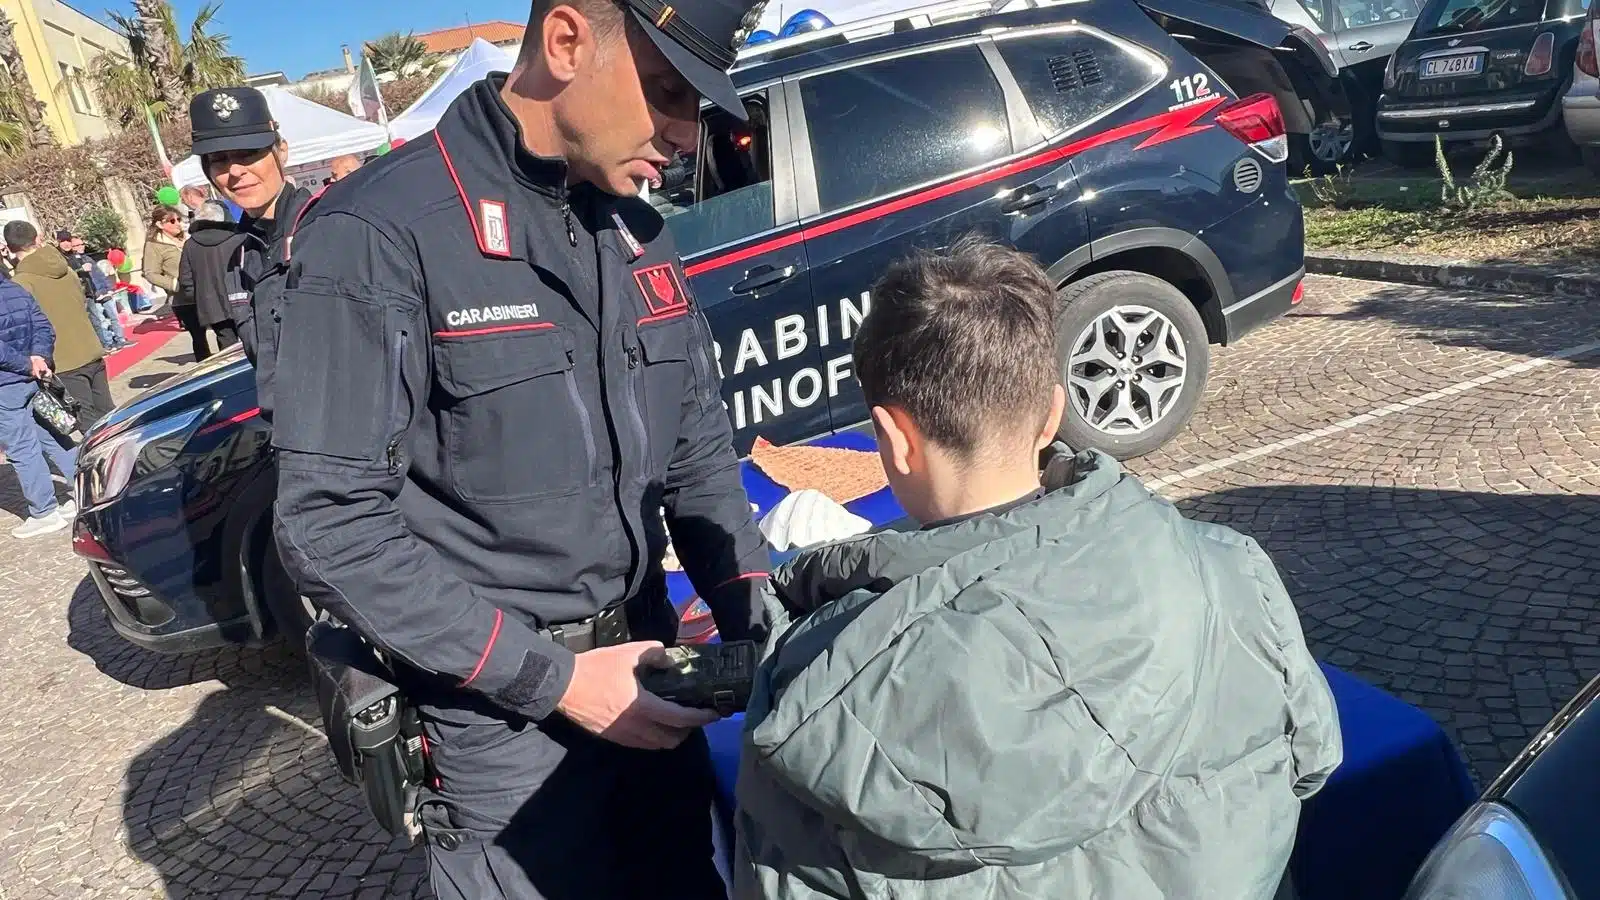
x: 20, y: 235
x: 964, y: 341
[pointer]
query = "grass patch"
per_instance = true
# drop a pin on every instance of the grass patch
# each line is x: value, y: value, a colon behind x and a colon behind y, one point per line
x: 1555, y: 218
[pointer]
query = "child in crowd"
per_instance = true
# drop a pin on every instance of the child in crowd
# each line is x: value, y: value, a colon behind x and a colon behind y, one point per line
x: 1058, y: 687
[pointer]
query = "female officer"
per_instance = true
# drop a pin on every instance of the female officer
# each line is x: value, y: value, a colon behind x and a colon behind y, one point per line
x: 244, y: 158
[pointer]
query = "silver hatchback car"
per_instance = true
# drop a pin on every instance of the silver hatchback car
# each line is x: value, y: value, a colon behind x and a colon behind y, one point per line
x: 1360, y: 35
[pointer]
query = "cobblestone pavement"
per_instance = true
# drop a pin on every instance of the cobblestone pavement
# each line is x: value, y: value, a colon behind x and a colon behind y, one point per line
x: 1420, y: 463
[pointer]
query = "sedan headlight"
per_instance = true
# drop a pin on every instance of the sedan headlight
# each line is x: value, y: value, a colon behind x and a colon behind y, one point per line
x: 1488, y: 855
x: 105, y: 466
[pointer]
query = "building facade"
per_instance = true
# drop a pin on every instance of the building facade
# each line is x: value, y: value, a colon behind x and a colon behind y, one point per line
x: 58, y: 44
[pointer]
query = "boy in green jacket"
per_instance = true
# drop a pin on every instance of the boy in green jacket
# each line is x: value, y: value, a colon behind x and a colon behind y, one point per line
x: 1058, y: 687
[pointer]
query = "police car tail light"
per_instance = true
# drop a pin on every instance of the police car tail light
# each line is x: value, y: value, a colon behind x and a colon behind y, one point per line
x: 107, y: 465
x: 1488, y: 855
x: 1541, y: 56
x: 1257, y: 121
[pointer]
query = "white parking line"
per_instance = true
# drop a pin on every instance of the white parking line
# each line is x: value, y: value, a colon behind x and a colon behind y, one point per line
x: 1381, y: 412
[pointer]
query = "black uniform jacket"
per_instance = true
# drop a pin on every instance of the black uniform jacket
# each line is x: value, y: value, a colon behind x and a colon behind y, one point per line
x: 254, y: 281
x: 489, y: 388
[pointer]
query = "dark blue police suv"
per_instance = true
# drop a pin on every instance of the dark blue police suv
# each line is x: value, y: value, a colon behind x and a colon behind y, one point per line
x: 1093, y: 135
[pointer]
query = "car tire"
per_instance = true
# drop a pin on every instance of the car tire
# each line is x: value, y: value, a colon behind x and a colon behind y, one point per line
x: 1591, y: 159
x: 291, y: 614
x: 1303, y: 162
x: 1099, y: 317
x: 1408, y: 155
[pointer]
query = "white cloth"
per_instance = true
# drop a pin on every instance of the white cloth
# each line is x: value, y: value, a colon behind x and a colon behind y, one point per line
x: 807, y: 518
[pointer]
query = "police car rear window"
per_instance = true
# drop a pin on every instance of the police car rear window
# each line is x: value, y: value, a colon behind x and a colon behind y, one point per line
x: 885, y: 126
x: 1069, y: 77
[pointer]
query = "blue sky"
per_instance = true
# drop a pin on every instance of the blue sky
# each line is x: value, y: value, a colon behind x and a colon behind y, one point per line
x: 300, y: 36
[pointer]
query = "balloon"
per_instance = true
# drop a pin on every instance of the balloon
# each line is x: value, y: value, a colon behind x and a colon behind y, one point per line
x: 115, y: 257
x: 396, y: 143
x: 803, y: 21
x: 167, y: 195
x: 760, y: 36
x: 383, y: 149
x: 125, y: 266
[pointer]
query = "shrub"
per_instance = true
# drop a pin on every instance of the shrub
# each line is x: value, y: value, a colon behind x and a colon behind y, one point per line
x: 102, y: 229
x: 1486, y: 184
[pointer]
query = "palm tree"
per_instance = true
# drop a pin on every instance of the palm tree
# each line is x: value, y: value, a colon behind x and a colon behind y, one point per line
x: 124, y: 87
x: 21, y: 111
x: 152, y: 18
x: 397, y: 53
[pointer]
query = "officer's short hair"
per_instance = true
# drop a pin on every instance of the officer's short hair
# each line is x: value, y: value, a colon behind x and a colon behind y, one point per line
x: 20, y: 235
x: 964, y: 342
x: 606, y: 18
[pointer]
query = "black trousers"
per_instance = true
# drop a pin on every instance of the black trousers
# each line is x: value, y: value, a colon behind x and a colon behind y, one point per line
x: 88, y: 385
x: 189, y: 317
x: 226, y: 334
x: 546, y: 811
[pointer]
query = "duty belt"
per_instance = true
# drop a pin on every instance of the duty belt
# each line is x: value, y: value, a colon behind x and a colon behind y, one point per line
x: 606, y: 629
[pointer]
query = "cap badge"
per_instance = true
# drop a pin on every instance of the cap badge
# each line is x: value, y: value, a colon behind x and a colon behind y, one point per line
x: 224, y: 105
x: 747, y: 25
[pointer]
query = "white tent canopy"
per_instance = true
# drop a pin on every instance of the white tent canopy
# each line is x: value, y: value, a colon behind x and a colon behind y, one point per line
x: 477, y: 62
x: 315, y: 134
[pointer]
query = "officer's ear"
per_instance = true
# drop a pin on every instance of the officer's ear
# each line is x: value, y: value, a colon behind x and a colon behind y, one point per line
x: 568, y: 42
x: 280, y: 152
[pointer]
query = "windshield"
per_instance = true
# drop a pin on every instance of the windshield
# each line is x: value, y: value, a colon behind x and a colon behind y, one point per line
x: 1457, y: 16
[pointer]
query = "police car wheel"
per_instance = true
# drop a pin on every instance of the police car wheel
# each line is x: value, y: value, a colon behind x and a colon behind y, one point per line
x: 1135, y: 357
x: 291, y: 613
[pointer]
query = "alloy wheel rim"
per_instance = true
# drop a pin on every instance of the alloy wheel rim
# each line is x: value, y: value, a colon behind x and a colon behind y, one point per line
x: 1126, y: 370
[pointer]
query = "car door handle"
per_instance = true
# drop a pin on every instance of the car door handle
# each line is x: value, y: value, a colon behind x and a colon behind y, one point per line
x: 1360, y: 47
x: 762, y: 277
x: 1026, y: 198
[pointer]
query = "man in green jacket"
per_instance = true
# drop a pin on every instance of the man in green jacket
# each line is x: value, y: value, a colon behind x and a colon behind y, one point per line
x: 1058, y: 687
x: 79, y: 357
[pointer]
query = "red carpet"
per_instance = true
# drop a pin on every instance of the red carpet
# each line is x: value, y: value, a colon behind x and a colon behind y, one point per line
x: 147, y: 337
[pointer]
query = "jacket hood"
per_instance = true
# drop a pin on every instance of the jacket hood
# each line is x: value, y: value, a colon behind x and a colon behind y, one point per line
x: 955, y: 705
x: 47, y: 262
x: 213, y: 234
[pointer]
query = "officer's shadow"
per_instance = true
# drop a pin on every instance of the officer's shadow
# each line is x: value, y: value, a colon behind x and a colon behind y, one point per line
x: 243, y: 798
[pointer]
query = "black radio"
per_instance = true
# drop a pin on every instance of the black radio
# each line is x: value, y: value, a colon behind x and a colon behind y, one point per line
x: 706, y: 676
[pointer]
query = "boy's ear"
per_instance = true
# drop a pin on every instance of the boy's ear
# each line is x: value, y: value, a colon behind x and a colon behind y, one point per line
x: 899, y: 442
x: 1052, y: 424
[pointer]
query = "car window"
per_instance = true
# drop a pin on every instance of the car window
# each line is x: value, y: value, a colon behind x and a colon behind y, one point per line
x: 1315, y: 10
x: 1355, y: 13
x: 1069, y: 78
x: 1459, y: 16
x: 885, y: 126
x: 723, y: 193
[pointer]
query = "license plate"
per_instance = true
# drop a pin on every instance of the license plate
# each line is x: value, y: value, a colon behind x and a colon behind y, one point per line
x: 1447, y: 66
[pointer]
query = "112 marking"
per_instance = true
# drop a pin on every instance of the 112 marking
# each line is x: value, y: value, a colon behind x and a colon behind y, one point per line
x: 1191, y: 86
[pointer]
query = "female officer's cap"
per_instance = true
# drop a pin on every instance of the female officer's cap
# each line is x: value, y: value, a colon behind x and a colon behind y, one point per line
x: 231, y: 118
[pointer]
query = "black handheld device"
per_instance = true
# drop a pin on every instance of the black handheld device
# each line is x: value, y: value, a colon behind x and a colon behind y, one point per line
x: 706, y: 676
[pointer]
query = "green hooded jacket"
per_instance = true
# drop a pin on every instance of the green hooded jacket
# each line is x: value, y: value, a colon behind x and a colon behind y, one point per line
x: 1086, y: 696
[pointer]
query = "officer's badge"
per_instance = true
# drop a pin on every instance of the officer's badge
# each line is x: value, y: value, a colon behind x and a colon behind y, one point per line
x: 662, y: 291
x: 747, y: 25
x: 224, y: 105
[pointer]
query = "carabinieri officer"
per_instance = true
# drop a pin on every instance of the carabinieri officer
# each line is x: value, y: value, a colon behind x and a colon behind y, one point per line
x: 492, y: 380
x: 245, y: 158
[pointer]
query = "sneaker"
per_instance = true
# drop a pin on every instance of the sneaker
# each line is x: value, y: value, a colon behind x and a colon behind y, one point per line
x: 67, y: 510
x: 38, y: 525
